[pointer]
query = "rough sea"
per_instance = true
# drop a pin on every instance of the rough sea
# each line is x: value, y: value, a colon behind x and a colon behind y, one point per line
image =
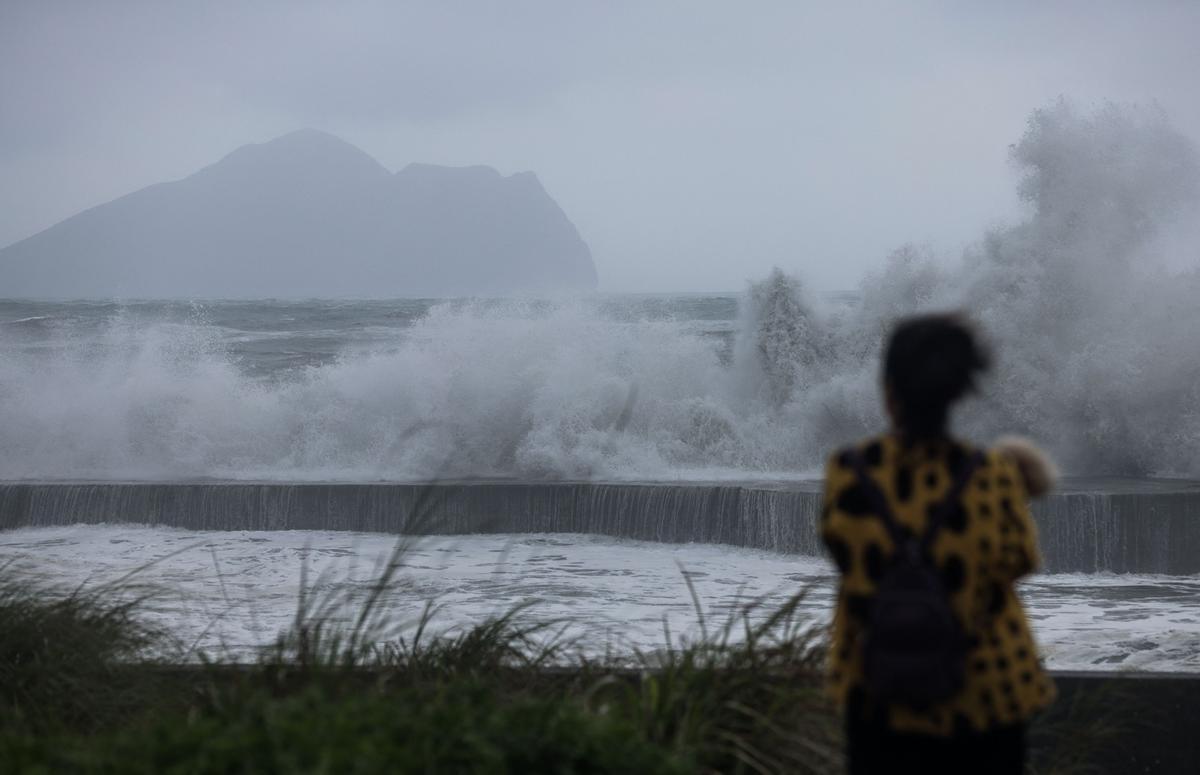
x: 611, y: 388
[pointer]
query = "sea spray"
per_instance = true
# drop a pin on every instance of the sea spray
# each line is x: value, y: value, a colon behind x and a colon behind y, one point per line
x: 1097, y: 337
x: 470, y: 389
x: 783, y: 344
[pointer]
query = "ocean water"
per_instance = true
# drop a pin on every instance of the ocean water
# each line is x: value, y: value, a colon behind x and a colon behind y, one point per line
x: 224, y: 593
x: 666, y: 388
x: 1089, y: 301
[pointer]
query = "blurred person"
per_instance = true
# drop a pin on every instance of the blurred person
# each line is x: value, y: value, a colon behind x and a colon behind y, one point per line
x: 932, y: 659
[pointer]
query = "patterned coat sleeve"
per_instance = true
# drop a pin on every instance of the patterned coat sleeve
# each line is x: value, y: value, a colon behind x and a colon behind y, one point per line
x: 1018, y: 536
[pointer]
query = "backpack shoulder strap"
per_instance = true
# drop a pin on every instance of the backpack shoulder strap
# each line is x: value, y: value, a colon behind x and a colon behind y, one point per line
x: 962, y: 477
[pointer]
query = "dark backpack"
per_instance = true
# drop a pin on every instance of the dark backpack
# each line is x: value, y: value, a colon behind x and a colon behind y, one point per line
x: 914, y: 649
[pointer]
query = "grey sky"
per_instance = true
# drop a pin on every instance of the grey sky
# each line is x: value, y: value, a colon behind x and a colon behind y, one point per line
x: 694, y: 144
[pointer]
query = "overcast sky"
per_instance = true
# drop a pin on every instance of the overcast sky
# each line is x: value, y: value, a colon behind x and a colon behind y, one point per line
x: 693, y: 144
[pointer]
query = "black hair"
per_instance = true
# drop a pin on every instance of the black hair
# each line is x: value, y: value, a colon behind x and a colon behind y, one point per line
x: 931, y: 361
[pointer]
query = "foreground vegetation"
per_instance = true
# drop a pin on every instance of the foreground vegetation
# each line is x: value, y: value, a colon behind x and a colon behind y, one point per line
x: 81, y: 690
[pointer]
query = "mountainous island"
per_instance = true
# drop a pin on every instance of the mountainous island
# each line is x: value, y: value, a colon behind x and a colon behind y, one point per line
x: 309, y: 215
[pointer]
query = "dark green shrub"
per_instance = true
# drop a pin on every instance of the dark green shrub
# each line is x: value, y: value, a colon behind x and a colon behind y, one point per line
x: 463, y: 727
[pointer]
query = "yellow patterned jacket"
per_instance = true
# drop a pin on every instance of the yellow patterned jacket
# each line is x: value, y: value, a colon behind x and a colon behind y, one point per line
x: 982, y: 548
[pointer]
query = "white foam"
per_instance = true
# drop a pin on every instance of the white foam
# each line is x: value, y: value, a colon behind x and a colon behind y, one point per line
x: 227, y: 592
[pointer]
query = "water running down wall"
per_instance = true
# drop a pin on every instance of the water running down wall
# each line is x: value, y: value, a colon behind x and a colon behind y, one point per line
x: 1123, y: 526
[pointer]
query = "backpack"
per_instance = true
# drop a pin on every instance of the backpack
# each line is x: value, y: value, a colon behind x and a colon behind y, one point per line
x: 914, y: 649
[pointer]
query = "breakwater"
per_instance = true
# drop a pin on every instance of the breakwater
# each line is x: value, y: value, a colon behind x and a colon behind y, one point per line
x: 1090, y: 525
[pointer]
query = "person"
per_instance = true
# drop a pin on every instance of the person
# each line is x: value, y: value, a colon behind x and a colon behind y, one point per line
x: 981, y: 542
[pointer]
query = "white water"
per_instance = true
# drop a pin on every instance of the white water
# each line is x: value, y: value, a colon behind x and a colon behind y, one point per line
x: 226, y: 593
x: 474, y: 390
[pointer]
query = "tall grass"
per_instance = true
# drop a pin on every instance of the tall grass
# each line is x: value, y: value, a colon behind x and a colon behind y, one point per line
x: 507, y: 694
x: 1076, y: 737
x: 70, y: 660
x: 742, y: 698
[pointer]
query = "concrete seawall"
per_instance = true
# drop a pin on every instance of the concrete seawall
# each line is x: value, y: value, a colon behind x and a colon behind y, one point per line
x: 1125, y: 526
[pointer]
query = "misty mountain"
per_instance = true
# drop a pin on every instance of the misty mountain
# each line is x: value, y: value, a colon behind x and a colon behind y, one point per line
x: 308, y: 214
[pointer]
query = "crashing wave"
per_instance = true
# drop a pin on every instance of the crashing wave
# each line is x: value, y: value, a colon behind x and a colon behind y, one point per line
x: 1096, y: 337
